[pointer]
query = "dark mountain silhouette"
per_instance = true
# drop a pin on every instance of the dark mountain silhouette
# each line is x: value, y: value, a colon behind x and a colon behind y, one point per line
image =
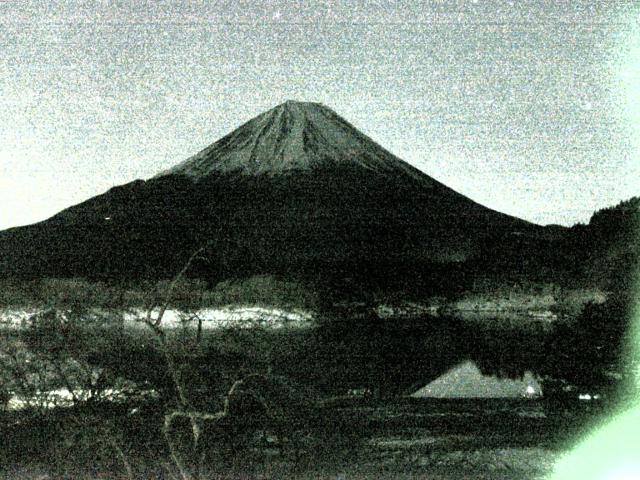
x: 295, y: 191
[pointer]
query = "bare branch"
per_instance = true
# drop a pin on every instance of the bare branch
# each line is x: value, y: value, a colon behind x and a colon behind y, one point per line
x: 194, y: 417
x: 149, y: 320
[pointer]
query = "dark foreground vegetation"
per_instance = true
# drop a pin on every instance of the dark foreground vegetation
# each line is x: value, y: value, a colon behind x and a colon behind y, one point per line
x: 85, y: 394
x: 355, y: 438
x: 314, y: 402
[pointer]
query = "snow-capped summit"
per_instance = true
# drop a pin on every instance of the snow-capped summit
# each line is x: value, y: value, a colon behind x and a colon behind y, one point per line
x: 292, y: 136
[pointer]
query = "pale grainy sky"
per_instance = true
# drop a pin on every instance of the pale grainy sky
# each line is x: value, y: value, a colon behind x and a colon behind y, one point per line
x: 529, y: 107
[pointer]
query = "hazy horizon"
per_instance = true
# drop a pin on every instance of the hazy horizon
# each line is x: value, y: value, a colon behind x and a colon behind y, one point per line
x: 529, y: 108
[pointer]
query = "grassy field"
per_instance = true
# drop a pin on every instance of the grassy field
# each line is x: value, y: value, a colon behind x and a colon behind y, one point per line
x: 357, y: 439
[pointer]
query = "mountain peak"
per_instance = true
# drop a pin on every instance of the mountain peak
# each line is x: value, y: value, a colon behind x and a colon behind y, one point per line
x: 293, y: 136
x: 299, y: 104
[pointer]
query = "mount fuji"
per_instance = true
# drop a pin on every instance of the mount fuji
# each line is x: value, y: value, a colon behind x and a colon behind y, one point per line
x: 296, y: 191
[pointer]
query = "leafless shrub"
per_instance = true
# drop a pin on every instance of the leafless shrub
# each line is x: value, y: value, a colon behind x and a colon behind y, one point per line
x: 252, y: 403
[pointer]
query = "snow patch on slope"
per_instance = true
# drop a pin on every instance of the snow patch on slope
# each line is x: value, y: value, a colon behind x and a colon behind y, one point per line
x: 294, y: 136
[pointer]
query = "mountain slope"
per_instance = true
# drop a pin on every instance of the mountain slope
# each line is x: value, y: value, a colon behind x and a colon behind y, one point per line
x: 295, y: 191
x: 293, y: 136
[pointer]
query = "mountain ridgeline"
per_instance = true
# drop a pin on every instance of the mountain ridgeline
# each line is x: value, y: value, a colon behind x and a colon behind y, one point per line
x: 296, y: 192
